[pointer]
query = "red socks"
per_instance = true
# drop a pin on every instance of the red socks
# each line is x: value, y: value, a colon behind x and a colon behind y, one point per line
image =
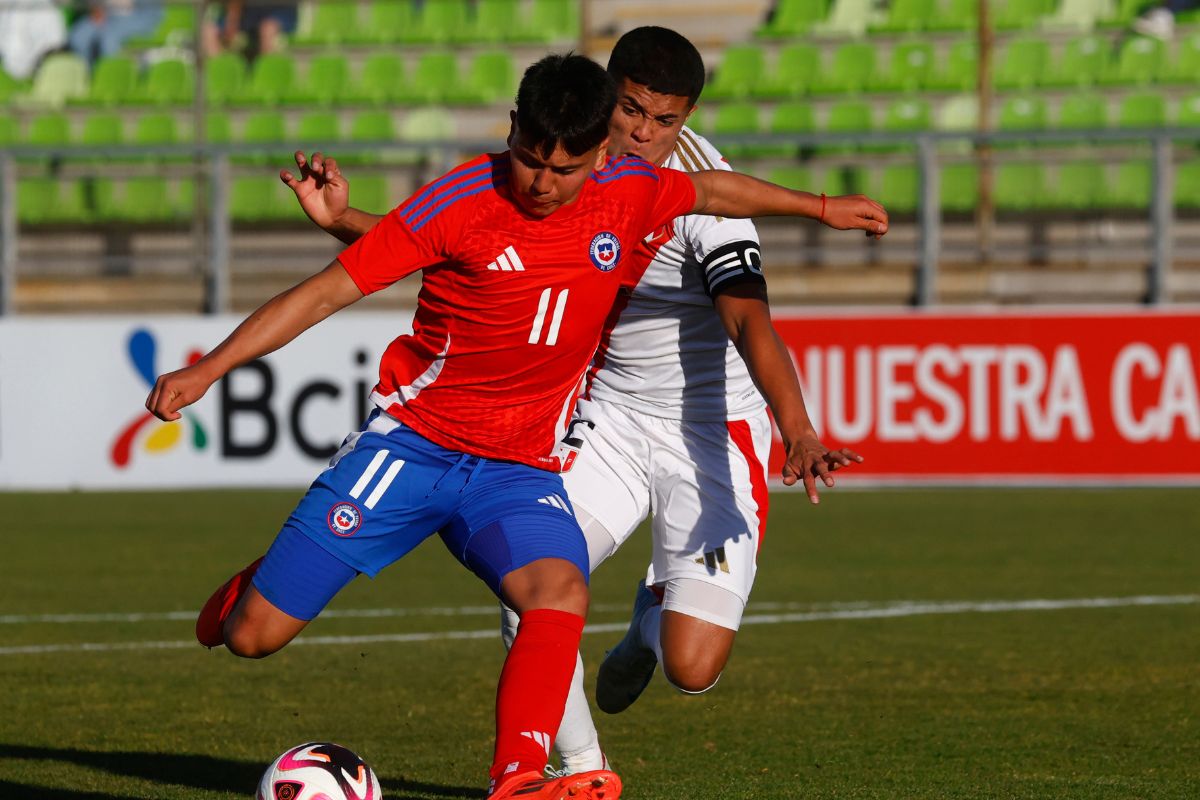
x: 533, y: 690
x: 212, y: 617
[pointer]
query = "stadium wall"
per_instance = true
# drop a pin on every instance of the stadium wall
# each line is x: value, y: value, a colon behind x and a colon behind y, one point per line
x: 1103, y: 396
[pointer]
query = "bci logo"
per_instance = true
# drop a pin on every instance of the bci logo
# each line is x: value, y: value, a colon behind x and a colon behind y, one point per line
x: 252, y: 413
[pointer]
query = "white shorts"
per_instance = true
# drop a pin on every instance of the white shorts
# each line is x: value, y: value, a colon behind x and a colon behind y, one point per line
x: 705, y: 483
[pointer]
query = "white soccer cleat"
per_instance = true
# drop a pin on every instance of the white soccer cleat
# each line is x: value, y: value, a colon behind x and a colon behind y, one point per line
x: 628, y: 667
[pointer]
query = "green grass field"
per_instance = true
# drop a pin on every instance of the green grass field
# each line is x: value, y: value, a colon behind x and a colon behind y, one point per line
x: 1066, y: 702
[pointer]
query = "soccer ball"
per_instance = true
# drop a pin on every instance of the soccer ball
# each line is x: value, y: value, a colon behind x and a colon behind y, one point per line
x: 319, y: 771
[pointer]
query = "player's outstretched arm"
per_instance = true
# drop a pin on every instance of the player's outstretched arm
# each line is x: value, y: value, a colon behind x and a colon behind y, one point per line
x: 281, y: 319
x: 721, y: 193
x: 744, y: 310
x: 324, y: 194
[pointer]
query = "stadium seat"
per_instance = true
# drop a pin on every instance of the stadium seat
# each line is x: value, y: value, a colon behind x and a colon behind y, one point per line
x: 848, y: 18
x: 272, y: 80
x: 328, y: 22
x: 796, y: 178
x: 319, y: 128
x: 796, y: 68
x: 742, y: 69
x: 852, y: 70
x: 490, y: 78
x: 1081, y: 15
x: 1021, y: 14
x: 550, y: 21
x: 1140, y: 61
x: 1189, y: 111
x: 266, y: 128
x: 494, y: 21
x: 422, y: 125
x: 178, y: 23
x: 958, y: 113
x: 1023, y: 64
x: 60, y: 78
x: 166, y: 83
x: 156, y: 129
x: 326, y: 82
x: 1124, y: 13
x: 48, y: 130
x: 733, y: 119
x: 908, y: 114
x: 1187, y: 185
x: 49, y: 200
x: 114, y: 81
x: 218, y: 128
x: 906, y: 16
x: 439, y: 22
x: 956, y: 15
x: 102, y: 130
x: 379, y: 80
x: 1142, y: 110
x: 847, y: 116
x: 10, y: 131
x: 1020, y: 187
x: 1082, y: 111
x: 370, y: 126
x: 959, y: 187
x: 1132, y: 187
x: 371, y: 193
x: 899, y: 188
x: 433, y: 81
x: 387, y: 22
x: 251, y: 198
x: 910, y: 67
x: 10, y: 87
x: 1022, y: 113
x: 789, y: 118
x: 1187, y: 60
x: 1084, y: 62
x: 145, y: 199
x: 1079, y: 186
x: 224, y: 78
x: 792, y: 18
x: 844, y: 179
x: 960, y: 69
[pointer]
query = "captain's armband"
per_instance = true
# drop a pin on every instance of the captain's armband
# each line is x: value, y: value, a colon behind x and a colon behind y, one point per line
x: 731, y: 264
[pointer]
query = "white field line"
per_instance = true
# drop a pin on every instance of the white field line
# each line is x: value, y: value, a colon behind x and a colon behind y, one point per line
x: 844, y: 611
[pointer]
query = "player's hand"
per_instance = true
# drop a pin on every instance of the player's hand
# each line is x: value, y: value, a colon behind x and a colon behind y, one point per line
x: 177, y: 389
x: 856, y: 212
x: 322, y: 190
x: 810, y: 461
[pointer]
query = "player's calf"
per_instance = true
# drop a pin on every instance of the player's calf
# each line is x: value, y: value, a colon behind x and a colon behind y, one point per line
x: 694, y: 651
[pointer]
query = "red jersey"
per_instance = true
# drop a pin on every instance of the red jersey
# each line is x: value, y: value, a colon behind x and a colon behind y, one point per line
x: 511, y: 306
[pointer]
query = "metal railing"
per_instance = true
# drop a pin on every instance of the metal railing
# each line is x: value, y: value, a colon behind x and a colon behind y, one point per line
x: 212, y: 165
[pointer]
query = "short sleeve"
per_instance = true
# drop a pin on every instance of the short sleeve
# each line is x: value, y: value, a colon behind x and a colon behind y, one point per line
x: 675, y: 197
x: 727, y: 251
x: 390, y: 251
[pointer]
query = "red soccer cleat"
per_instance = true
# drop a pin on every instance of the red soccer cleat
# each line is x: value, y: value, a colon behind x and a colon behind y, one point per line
x: 212, y: 617
x: 597, y: 784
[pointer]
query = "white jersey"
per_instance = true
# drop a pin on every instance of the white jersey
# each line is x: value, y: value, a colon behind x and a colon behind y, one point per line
x: 668, y: 354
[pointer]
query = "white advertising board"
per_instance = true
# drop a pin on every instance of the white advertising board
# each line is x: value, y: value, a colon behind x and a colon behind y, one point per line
x: 72, y: 394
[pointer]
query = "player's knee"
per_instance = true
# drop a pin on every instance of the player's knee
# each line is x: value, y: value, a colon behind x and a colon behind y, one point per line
x: 246, y: 642
x: 549, y: 583
x: 692, y: 678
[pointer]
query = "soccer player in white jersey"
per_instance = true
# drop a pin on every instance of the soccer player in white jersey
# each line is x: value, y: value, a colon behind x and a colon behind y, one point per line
x: 677, y: 421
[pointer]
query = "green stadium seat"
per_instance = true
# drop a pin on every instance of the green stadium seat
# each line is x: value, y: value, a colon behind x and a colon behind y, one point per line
x: 371, y: 194
x: 550, y: 21
x: 492, y: 77
x: 852, y: 70
x: 910, y: 67
x: 379, y: 81
x: 321, y: 128
x: 10, y: 87
x: 1133, y: 186
x: 908, y: 114
x: 429, y: 124
x: 960, y: 69
x: 789, y: 118
x: 1189, y: 111
x: 1020, y: 187
x: 1141, y: 60
x: 795, y: 178
x: 742, y: 69
x: 251, y: 198
x: 906, y: 16
x: 266, y: 128
x: 1187, y: 185
x: 178, y: 23
x: 156, y: 129
x: 183, y: 199
x: 101, y: 198
x: 167, y: 83
x: 494, y: 21
x: 433, y: 81
x: 61, y: 77
x: 899, y: 188
x: 326, y: 82
x: 272, y: 80
x: 10, y: 131
x: 1022, y: 113
x: 796, y: 68
x: 370, y: 126
x: 1023, y: 64
x: 1021, y: 14
x: 49, y: 130
x: 847, y: 116
x: 793, y: 18
x: 956, y: 15
x: 958, y: 113
x: 1079, y: 186
x: 1124, y: 13
x: 1186, y: 66
x: 844, y: 179
x: 438, y: 22
x: 114, y: 81
x: 1080, y: 15
x: 1142, y: 110
x: 733, y: 119
x: 224, y: 78
x: 959, y: 187
x: 102, y: 130
x: 49, y: 200
x: 218, y: 128
x: 1084, y: 62
x: 848, y: 18
x: 329, y: 22
x: 145, y: 199
x: 387, y: 22
x: 1083, y: 111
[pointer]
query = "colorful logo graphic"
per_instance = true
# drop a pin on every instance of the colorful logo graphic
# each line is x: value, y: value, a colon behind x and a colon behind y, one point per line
x: 344, y: 519
x: 166, y: 435
x: 604, y: 251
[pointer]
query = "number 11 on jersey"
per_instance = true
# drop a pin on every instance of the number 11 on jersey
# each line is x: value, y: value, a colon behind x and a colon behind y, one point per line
x: 560, y: 305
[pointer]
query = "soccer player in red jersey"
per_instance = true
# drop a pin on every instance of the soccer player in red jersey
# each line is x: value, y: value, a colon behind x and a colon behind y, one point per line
x: 522, y: 254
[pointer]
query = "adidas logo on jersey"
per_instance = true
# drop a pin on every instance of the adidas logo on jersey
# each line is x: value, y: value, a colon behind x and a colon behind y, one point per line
x: 556, y: 501
x: 508, y: 261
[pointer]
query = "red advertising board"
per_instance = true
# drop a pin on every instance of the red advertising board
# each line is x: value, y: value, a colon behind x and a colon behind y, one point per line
x: 1083, y: 396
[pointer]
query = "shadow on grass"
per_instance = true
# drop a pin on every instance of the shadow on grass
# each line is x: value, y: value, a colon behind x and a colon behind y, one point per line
x: 198, y: 771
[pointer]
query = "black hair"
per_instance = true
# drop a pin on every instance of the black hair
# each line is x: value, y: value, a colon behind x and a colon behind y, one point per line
x: 660, y: 59
x: 565, y: 99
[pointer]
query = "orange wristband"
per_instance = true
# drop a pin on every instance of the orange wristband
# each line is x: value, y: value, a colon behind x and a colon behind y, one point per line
x: 822, y: 217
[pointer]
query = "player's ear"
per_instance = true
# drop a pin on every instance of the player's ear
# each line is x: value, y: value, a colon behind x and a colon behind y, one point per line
x: 602, y: 154
x: 688, y: 115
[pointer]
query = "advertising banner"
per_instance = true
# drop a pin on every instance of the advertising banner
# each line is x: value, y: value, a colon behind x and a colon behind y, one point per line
x: 1035, y: 397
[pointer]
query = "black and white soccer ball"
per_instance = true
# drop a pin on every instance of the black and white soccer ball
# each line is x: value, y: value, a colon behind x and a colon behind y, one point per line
x: 319, y: 771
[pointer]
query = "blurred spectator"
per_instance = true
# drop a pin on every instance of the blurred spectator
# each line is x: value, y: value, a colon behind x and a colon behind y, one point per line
x: 1159, y: 21
x: 108, y: 23
x: 28, y: 31
x: 263, y: 23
